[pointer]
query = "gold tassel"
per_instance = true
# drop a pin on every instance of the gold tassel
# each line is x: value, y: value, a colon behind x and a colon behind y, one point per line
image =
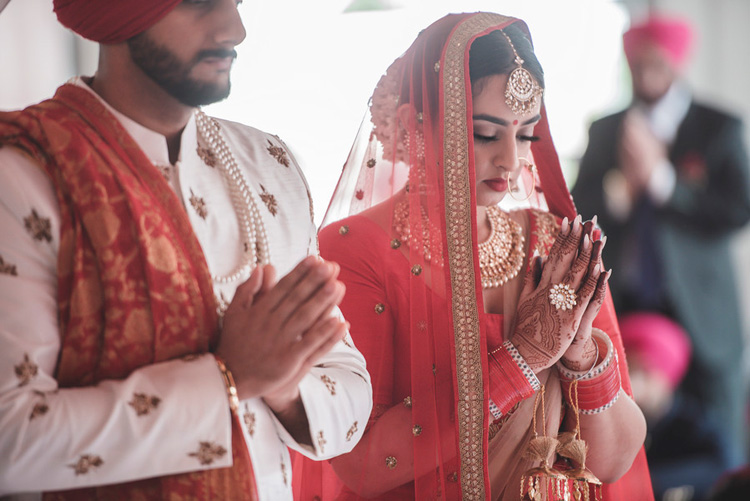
x: 542, y: 483
x: 571, y: 446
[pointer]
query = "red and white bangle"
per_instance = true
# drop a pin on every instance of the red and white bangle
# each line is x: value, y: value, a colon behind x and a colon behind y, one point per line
x: 598, y: 388
x: 527, y: 371
x: 511, y: 379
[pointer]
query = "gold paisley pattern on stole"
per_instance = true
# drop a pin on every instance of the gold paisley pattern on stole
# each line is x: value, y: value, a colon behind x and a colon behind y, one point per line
x: 458, y: 207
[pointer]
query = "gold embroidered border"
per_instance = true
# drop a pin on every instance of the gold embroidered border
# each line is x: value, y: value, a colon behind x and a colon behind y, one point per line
x: 470, y: 412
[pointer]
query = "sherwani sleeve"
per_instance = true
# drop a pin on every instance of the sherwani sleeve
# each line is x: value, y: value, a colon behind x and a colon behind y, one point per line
x: 164, y: 418
x: 336, y: 393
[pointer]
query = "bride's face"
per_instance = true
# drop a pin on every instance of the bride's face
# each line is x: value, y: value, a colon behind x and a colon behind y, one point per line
x: 500, y: 138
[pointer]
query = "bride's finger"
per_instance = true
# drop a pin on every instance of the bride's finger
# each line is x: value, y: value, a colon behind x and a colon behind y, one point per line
x: 596, y: 302
x: 563, y: 252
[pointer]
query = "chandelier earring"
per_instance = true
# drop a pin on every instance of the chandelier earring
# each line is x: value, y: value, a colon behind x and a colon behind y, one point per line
x: 513, y: 185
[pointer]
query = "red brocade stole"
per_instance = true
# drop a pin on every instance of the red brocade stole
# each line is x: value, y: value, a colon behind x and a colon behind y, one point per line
x: 133, y: 285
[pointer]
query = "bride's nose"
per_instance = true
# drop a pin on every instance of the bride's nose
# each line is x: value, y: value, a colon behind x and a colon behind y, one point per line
x: 506, y: 158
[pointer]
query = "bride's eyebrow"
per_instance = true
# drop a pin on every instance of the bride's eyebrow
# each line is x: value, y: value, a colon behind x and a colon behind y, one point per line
x: 500, y: 121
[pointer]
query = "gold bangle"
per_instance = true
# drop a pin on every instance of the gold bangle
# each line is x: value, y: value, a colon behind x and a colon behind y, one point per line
x: 226, y: 375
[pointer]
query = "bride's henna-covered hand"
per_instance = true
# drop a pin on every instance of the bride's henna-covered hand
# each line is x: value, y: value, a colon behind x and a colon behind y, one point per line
x: 543, y: 333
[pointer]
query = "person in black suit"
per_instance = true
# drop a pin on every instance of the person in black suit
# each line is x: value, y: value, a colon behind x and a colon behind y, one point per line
x: 668, y: 178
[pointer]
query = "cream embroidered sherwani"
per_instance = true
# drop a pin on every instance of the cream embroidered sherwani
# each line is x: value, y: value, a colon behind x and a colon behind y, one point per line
x: 154, y: 422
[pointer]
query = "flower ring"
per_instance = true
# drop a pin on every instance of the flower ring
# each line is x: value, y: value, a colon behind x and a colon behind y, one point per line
x: 562, y: 297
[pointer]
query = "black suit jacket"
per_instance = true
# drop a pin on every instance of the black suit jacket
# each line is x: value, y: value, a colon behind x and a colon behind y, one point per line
x: 692, y: 235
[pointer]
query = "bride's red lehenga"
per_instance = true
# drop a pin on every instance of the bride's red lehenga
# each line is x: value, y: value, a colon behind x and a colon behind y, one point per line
x: 402, y: 225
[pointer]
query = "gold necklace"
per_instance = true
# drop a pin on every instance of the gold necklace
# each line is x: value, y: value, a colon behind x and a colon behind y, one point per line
x: 501, y: 255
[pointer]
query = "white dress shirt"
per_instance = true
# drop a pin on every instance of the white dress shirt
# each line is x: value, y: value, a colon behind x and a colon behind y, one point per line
x: 153, y: 422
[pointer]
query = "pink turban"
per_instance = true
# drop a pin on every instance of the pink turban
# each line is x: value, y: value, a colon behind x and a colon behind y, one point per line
x: 111, y: 21
x: 672, y: 35
x: 658, y: 342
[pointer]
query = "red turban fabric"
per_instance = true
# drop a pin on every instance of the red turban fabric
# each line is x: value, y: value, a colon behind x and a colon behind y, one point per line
x: 659, y: 343
x: 111, y: 21
x: 672, y: 35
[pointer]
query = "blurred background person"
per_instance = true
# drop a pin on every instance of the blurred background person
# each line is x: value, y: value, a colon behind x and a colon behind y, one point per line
x: 682, y: 444
x: 668, y: 177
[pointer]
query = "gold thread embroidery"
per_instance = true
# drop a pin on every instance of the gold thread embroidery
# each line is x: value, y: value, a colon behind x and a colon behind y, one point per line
x: 330, y: 383
x: 283, y: 471
x: 351, y: 432
x: 249, y: 418
x: 269, y: 200
x: 26, y: 370
x: 40, y: 408
x: 545, y: 231
x: 85, y: 463
x: 278, y: 153
x: 379, y: 308
x: 39, y: 227
x: 343, y: 230
x: 166, y: 171
x: 321, y: 441
x: 208, y: 156
x: 199, y: 204
x: 470, y: 411
x: 144, y: 404
x: 208, y: 452
x: 7, y: 268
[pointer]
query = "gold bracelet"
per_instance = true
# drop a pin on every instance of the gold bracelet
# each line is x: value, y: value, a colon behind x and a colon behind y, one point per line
x: 226, y: 374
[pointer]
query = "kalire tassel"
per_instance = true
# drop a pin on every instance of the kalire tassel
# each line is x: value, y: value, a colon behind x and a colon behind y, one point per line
x: 584, y: 484
x: 543, y: 483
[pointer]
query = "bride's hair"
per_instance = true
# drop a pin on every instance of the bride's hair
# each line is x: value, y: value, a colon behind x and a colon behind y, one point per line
x: 492, y: 55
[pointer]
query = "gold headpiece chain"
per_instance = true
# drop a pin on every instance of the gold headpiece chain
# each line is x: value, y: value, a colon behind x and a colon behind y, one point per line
x: 522, y: 92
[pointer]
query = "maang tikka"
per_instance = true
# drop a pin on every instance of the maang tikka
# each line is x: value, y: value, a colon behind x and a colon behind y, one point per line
x: 522, y: 92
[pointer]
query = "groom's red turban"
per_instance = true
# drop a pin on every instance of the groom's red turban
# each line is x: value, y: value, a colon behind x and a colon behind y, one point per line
x: 672, y: 35
x: 111, y: 21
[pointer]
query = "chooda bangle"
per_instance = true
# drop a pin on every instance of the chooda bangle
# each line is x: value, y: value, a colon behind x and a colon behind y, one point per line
x: 226, y: 375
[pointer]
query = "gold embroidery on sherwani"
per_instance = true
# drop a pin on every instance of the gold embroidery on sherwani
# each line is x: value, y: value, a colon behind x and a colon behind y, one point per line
x: 39, y: 227
x: 278, y: 153
x: 26, y: 370
x: 458, y: 203
x: 208, y: 452
x: 208, y: 156
x: 330, y: 383
x: 166, y: 170
x: 283, y: 471
x: 40, y: 408
x: 144, y: 404
x: 7, y: 268
x: 321, y: 441
x: 199, y: 204
x: 269, y: 200
x: 545, y: 232
x: 249, y: 418
x: 85, y: 463
x: 351, y: 432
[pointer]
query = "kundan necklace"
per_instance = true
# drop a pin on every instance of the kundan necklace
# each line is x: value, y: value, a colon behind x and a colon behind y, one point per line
x: 501, y: 255
x: 253, y: 236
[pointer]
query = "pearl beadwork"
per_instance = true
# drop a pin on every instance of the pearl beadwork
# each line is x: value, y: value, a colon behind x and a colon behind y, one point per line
x: 253, y: 236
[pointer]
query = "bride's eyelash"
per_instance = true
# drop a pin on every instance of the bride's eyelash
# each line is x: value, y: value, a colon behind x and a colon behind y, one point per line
x: 531, y: 139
